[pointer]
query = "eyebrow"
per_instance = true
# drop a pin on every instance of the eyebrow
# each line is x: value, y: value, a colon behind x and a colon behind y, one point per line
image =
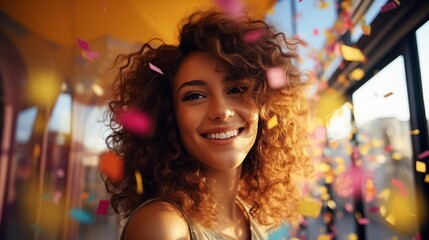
x: 192, y: 83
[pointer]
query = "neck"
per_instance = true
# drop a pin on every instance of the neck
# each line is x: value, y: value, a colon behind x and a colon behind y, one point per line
x: 225, y: 192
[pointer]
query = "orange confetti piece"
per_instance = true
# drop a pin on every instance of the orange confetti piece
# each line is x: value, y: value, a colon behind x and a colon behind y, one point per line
x: 388, y: 94
x: 420, y: 166
x: 323, y: 5
x: 112, y: 165
x: 310, y: 207
x: 272, y: 122
x: 139, y: 182
x: 351, y: 53
x: 366, y: 29
x: 84, y: 195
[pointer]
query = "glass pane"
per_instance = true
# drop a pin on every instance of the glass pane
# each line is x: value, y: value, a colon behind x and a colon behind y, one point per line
x: 422, y: 39
x: 383, y: 133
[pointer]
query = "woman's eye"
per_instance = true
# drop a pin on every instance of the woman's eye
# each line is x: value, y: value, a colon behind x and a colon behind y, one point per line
x: 192, y: 96
x: 238, y: 89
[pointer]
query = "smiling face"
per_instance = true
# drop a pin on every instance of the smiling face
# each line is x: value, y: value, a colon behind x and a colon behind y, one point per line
x: 217, y: 125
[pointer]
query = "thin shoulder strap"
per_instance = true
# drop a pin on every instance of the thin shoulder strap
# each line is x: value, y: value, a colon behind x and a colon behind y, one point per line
x: 188, y: 222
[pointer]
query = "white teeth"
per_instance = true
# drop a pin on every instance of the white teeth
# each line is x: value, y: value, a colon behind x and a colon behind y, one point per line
x: 223, y: 135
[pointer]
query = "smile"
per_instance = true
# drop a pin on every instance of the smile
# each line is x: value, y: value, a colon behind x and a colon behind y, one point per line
x: 223, y: 135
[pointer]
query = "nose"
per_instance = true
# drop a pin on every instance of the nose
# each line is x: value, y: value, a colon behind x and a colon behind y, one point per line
x: 220, y: 109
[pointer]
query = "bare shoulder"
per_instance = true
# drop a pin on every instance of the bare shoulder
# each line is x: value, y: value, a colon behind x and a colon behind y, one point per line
x: 157, y: 220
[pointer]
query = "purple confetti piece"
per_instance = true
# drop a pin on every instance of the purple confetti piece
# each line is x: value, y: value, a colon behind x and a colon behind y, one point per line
x: 155, y: 68
x: 103, y: 206
x: 388, y: 7
x: 83, y: 44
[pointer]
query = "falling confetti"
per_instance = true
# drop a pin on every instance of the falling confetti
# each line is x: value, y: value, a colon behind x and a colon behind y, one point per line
x: 310, y: 207
x: 83, y: 44
x: 357, y: 74
x: 104, y: 7
x: 324, y: 237
x: 139, y: 182
x: 276, y: 78
x: 272, y: 122
x: 423, y: 155
x: 400, y: 186
x: 427, y: 178
x: 80, y: 215
x: 155, y: 68
x: 363, y: 221
x: 388, y: 94
x: 420, y: 166
x: 389, y: 6
x: 103, y: 207
x: 234, y: 7
x: 90, y: 55
x: 366, y: 29
x: 135, y: 121
x: 415, y: 132
x: 254, y: 35
x: 351, y: 53
x: 112, y: 165
x: 57, y: 197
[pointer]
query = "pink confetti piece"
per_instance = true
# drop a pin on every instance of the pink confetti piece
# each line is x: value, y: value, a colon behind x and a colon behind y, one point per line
x: 374, y: 209
x: 254, y: 35
x: 276, y: 78
x: 401, y: 187
x: 102, y: 208
x: 57, y: 197
x: 90, y: 55
x: 389, y: 6
x: 349, y: 207
x: 423, y: 155
x: 231, y: 6
x: 83, y: 44
x: 104, y: 7
x: 60, y: 173
x: 135, y: 121
x: 363, y: 221
x: 155, y: 68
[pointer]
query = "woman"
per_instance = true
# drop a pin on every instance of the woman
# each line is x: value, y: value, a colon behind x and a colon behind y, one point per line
x: 213, y: 167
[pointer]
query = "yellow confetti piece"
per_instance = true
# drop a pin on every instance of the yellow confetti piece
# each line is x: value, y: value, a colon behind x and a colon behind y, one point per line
x: 415, y: 132
x: 383, y: 211
x: 139, y: 182
x: 397, y: 2
x: 357, y: 74
x: 325, y: 196
x: 331, y: 204
x: 385, y: 194
x: 310, y: 207
x: 352, y: 236
x: 390, y: 219
x: 420, y: 166
x: 272, y: 122
x: 427, y: 178
x: 323, y: 5
x: 351, y: 53
x: 329, y: 179
x: 324, y: 237
x: 397, y: 156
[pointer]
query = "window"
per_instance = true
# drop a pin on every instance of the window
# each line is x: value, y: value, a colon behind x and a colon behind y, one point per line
x: 422, y: 35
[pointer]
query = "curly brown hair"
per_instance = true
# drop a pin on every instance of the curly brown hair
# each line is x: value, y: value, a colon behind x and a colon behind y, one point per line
x: 167, y: 170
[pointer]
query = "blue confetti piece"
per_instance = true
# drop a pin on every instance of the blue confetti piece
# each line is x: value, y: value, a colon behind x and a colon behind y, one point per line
x: 80, y: 216
x: 281, y: 233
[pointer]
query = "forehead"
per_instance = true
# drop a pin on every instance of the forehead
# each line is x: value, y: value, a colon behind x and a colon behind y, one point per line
x: 199, y: 65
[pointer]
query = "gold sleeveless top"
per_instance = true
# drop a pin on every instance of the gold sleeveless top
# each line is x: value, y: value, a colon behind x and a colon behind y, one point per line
x: 199, y: 232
